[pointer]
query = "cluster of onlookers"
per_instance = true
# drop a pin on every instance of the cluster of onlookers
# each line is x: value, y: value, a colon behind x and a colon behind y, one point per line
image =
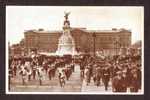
x: 122, y: 73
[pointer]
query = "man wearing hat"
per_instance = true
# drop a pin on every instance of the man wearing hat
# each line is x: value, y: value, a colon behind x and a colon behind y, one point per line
x: 106, y: 77
x: 124, y: 81
x: 117, y: 82
x: 98, y: 75
x: 134, y: 86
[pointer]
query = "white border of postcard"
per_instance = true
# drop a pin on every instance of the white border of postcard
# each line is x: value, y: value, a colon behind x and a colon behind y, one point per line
x: 76, y: 93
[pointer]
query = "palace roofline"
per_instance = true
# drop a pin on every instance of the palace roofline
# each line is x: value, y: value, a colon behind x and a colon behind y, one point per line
x: 114, y: 30
x: 43, y: 31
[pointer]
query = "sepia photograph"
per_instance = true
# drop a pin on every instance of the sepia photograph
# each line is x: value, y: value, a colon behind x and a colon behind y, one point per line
x: 75, y: 50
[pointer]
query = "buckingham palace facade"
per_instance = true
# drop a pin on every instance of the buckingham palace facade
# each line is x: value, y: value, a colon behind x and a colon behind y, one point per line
x: 107, y: 41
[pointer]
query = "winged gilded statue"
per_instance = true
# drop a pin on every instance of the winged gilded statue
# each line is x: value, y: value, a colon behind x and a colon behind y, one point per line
x: 66, y: 15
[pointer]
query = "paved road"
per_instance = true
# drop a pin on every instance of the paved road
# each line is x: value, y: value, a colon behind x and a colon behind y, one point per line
x: 93, y: 88
x: 72, y: 85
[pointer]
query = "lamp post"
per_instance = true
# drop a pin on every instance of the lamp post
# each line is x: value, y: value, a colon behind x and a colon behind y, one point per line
x: 94, y: 37
x: 117, y: 46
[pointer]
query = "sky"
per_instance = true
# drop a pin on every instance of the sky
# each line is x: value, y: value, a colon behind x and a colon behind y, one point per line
x: 21, y: 18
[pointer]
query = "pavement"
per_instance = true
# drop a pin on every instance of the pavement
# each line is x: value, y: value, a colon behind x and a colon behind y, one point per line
x: 74, y: 84
x: 93, y: 88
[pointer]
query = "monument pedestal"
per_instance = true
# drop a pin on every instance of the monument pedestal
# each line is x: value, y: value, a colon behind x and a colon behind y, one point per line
x: 66, y: 44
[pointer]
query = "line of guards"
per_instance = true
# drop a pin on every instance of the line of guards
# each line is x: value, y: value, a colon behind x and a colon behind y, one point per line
x: 122, y: 73
x: 36, y: 69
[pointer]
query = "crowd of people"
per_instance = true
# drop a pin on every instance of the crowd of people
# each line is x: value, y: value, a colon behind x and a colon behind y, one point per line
x: 37, y: 68
x: 122, y: 73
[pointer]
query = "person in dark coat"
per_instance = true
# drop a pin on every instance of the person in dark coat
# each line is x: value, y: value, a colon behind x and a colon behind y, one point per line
x: 10, y: 76
x: 139, y: 77
x: 94, y: 73
x: 45, y: 66
x: 34, y: 71
x: 15, y: 69
x: 134, y: 86
x: 98, y: 75
x: 117, y: 82
x: 49, y: 72
x: 72, y: 66
x: 53, y: 70
x: 68, y: 71
x: 82, y: 67
x: 129, y: 74
x: 90, y: 72
x: 124, y: 82
x: 106, y: 77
